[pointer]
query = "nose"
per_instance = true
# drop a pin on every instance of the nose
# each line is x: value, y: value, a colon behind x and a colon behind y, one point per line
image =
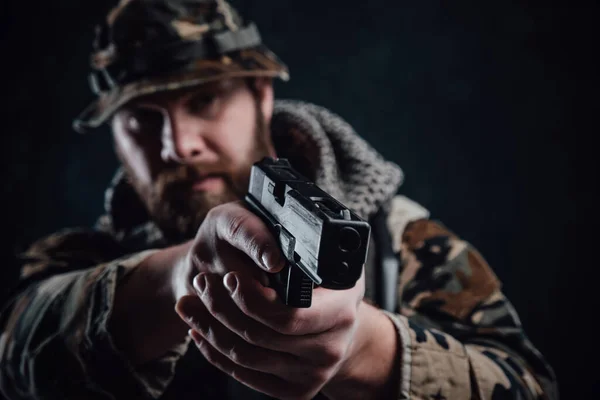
x: 182, y: 139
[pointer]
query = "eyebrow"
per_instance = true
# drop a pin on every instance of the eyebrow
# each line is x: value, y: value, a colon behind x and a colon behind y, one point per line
x: 210, y: 88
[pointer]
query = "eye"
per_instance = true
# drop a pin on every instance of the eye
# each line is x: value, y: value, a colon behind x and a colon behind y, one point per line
x: 144, y: 121
x: 204, y: 105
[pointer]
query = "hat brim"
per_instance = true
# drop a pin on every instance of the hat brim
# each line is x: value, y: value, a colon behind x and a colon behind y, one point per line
x: 259, y: 62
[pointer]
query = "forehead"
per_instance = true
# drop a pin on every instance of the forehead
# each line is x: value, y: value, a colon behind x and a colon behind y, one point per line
x: 164, y: 98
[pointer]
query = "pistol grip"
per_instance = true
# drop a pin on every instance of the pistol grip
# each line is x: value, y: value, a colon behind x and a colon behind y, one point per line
x: 293, y: 287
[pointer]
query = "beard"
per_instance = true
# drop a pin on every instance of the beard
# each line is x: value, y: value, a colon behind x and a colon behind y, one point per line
x: 176, y: 208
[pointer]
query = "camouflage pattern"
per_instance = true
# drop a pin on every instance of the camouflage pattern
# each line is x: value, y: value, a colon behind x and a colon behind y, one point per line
x: 147, y: 46
x: 459, y: 337
x: 462, y: 337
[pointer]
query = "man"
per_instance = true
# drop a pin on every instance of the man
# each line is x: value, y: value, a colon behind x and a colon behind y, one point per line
x: 110, y: 312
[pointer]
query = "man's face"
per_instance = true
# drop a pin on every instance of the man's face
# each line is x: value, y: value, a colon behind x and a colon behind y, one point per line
x: 190, y: 150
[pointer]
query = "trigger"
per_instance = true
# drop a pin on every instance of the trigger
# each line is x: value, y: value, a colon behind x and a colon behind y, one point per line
x: 288, y: 243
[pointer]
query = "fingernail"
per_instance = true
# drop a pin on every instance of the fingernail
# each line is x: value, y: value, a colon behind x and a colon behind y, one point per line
x: 230, y: 282
x: 265, y: 261
x: 194, y: 335
x: 272, y: 259
x: 200, y: 283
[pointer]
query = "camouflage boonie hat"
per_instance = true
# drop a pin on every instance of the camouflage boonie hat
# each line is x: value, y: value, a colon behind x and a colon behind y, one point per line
x: 147, y: 46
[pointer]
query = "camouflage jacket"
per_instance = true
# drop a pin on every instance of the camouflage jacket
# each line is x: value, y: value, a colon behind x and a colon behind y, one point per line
x: 459, y: 337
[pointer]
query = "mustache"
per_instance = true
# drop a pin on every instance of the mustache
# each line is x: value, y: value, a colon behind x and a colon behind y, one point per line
x: 183, y: 175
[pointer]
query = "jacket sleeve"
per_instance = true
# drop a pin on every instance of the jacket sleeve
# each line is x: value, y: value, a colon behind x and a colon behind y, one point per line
x: 460, y: 336
x: 55, y: 342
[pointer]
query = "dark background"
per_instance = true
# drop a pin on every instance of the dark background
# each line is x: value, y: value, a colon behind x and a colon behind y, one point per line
x: 484, y: 104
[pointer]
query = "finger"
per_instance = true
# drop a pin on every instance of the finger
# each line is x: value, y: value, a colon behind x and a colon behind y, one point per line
x: 232, y: 259
x: 216, y: 300
x: 321, y: 350
x: 283, y: 365
x: 232, y: 346
x: 190, y: 309
x: 248, y: 233
x: 259, y: 381
x: 329, y: 309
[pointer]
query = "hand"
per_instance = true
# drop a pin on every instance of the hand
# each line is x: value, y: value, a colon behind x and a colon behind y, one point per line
x: 231, y: 238
x: 340, y: 346
x: 243, y: 329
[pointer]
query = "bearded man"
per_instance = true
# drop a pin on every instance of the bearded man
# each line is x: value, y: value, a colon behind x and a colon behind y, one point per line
x: 168, y: 296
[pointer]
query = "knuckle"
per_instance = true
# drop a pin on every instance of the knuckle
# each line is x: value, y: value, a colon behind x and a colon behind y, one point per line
x: 235, y: 354
x: 213, y: 213
x: 236, y: 225
x: 201, y: 257
x: 193, y: 322
x: 287, y: 327
x: 214, y: 307
x: 347, y: 318
x: 256, y: 249
x: 209, y: 334
x: 291, y: 324
x: 202, y: 251
x: 208, y: 353
x: 249, y: 305
x: 332, y: 354
x: 319, y: 375
x: 229, y: 349
x: 244, y: 302
x: 196, y: 323
x: 263, y: 242
x: 252, y: 337
x: 216, y: 310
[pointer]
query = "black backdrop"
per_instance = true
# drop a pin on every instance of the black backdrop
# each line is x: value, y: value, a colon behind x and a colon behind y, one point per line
x: 481, y: 103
